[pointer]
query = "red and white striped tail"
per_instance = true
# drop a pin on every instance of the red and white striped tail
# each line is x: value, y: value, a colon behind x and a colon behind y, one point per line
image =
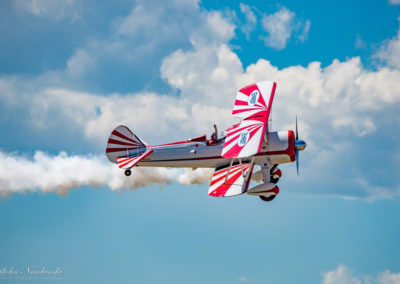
x: 122, y: 142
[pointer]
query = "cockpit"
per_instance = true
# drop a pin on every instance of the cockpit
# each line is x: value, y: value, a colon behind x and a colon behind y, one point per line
x: 214, y: 140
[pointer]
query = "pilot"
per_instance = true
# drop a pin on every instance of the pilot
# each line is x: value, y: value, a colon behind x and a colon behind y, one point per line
x: 214, y: 137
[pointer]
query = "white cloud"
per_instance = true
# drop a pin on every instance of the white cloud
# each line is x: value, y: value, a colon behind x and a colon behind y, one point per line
x: 19, y: 174
x: 56, y: 10
x: 303, y: 36
x: 359, y: 43
x: 151, y: 21
x: 205, y: 74
x: 80, y: 63
x: 341, y: 275
x: 251, y: 20
x: 217, y: 29
x: 280, y: 27
x: 389, y: 52
x: 344, y: 275
x: 394, y: 2
x: 355, y: 91
x: 154, y: 117
x: 387, y: 277
x: 138, y: 42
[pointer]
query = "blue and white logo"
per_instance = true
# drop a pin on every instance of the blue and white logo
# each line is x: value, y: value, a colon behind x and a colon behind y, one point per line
x: 243, y: 138
x: 253, y: 98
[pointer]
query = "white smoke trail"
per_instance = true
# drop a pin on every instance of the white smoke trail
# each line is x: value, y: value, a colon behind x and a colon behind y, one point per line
x: 60, y: 173
x: 198, y: 176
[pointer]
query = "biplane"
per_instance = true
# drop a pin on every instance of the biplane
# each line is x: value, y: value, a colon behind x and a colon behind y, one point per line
x: 246, y: 144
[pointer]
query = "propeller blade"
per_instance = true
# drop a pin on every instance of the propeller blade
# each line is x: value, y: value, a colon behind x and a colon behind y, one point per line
x: 297, y: 161
x: 297, y: 133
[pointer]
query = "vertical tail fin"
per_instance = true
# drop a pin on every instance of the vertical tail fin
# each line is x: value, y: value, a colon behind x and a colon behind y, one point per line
x: 122, y: 142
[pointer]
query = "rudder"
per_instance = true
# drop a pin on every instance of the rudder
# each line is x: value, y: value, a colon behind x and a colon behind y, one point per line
x: 122, y: 142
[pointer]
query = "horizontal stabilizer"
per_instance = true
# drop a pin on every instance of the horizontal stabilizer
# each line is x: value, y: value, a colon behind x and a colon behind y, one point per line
x: 230, y: 181
x: 130, y: 161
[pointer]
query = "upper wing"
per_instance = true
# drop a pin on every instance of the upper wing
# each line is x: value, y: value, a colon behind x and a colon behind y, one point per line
x: 245, y: 139
x: 253, y: 99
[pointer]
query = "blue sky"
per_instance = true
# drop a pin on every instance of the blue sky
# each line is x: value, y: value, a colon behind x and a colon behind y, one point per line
x: 71, y: 71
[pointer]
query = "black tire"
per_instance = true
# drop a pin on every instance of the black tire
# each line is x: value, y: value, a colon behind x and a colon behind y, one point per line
x: 128, y: 173
x: 270, y: 198
x: 274, y: 180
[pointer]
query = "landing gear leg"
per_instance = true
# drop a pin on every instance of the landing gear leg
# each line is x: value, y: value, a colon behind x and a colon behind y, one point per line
x: 265, y: 170
x: 127, y: 173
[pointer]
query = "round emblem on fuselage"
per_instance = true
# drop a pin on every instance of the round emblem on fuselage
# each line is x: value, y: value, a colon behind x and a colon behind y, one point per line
x: 253, y: 98
x: 243, y: 138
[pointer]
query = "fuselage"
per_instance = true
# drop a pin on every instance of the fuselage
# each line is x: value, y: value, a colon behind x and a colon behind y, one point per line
x: 199, y: 154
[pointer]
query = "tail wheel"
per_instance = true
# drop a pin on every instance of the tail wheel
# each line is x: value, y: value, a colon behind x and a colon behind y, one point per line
x: 269, y: 198
x: 128, y: 173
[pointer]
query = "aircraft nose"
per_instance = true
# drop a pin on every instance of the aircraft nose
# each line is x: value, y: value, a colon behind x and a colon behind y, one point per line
x: 300, y: 145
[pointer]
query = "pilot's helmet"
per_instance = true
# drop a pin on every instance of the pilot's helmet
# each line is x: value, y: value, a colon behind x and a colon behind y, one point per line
x: 214, y: 136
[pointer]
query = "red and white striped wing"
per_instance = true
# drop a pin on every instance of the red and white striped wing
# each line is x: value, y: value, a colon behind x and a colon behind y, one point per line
x: 245, y: 139
x: 129, y: 162
x: 253, y: 99
x: 253, y: 104
x: 235, y: 184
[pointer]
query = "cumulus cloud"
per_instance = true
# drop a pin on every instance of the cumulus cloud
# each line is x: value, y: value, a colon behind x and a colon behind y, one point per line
x: 354, y: 90
x: 280, y: 27
x: 154, y: 117
x: 139, y: 41
x: 389, y: 52
x: 344, y: 275
x: 60, y: 173
x: 55, y: 10
x: 251, y: 19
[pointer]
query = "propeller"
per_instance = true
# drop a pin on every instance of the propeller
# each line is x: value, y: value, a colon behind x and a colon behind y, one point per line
x: 299, y: 145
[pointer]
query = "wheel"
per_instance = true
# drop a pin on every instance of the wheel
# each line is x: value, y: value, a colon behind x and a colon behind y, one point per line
x: 269, y: 198
x: 128, y: 173
x: 274, y: 180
